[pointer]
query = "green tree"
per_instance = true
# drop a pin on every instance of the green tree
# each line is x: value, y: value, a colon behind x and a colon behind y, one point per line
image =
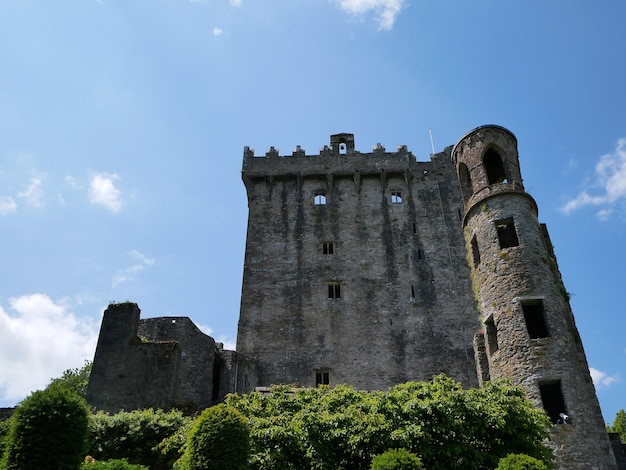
x: 136, y: 436
x: 619, y: 425
x: 340, y: 428
x: 219, y: 439
x: 75, y: 379
x: 397, y: 459
x: 520, y: 462
x: 49, y: 430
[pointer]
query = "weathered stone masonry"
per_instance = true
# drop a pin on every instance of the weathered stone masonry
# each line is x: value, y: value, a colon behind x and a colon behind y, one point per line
x: 373, y: 269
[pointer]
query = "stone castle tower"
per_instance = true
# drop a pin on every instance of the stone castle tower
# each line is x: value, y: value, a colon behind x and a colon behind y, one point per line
x: 374, y: 269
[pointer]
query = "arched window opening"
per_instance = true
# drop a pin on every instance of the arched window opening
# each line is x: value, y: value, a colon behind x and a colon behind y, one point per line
x: 494, y: 167
x: 466, y: 182
x: 343, y: 149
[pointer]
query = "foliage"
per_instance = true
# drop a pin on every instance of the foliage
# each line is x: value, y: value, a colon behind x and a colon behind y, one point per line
x: 397, y: 459
x: 340, y: 428
x: 520, y: 462
x: 219, y: 439
x: 5, y: 427
x: 115, y: 464
x: 75, y: 379
x: 619, y: 425
x: 172, y: 448
x: 50, y: 430
x: 135, y: 436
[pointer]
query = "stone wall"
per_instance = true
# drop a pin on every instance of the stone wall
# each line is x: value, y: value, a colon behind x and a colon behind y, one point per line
x: 406, y: 309
x: 164, y: 362
x: 530, y: 334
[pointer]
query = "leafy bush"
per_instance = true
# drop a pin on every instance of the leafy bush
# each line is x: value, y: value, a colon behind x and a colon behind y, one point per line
x: 520, y: 462
x: 619, y: 425
x: 50, y: 430
x: 219, y: 439
x: 135, y: 436
x: 116, y: 464
x: 75, y: 379
x: 5, y: 427
x: 447, y: 426
x: 397, y: 459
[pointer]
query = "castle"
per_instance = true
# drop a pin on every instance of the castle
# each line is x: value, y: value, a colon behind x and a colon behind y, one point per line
x: 374, y: 269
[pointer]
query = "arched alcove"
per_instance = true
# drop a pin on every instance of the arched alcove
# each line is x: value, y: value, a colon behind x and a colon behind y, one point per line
x: 494, y: 167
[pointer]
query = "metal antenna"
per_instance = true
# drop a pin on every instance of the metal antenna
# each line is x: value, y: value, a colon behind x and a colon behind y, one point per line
x: 432, y: 144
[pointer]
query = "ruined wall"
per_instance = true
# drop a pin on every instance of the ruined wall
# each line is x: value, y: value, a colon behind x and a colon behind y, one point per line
x: 164, y: 362
x: 405, y: 309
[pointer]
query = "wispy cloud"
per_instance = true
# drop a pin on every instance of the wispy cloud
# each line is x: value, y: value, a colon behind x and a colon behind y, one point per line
x: 217, y: 31
x: 601, y: 379
x: 39, y: 340
x: 607, y: 189
x: 387, y: 11
x: 102, y: 191
x: 33, y: 194
x: 129, y: 273
x: 235, y: 3
x: 7, y: 205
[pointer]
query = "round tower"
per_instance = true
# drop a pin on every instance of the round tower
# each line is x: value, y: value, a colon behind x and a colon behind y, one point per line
x: 528, y: 335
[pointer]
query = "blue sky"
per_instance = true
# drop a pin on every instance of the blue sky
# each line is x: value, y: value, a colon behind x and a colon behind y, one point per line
x: 123, y: 122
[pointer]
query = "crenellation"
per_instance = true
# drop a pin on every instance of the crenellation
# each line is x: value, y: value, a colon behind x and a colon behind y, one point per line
x: 298, y: 152
x: 272, y: 152
x: 248, y: 152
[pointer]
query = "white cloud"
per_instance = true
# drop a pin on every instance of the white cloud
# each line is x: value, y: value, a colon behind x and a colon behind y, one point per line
x: 129, y: 273
x: 33, y: 194
x: 40, y: 341
x: 608, y: 188
x: 601, y: 379
x: 229, y: 344
x: 217, y: 31
x: 102, y: 191
x: 7, y: 205
x: 235, y: 3
x: 387, y: 11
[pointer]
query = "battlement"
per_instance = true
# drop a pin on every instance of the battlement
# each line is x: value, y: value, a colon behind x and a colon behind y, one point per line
x: 340, y: 158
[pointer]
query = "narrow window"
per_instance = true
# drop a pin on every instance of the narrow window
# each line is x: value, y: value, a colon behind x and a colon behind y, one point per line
x: 320, y: 199
x: 328, y: 248
x: 552, y: 398
x: 534, y: 316
x: 494, y: 167
x: 322, y: 378
x: 492, y: 335
x: 475, y: 252
x: 420, y: 254
x: 466, y: 182
x: 412, y: 291
x: 334, y: 290
x: 396, y: 197
x: 414, y: 229
x: 506, y: 233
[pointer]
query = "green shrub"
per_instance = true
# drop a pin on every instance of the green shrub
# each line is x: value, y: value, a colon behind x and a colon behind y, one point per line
x: 520, y: 462
x: 116, y: 464
x: 135, y: 436
x: 397, y: 459
x: 219, y: 439
x: 339, y: 427
x: 50, y: 430
x: 5, y: 427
